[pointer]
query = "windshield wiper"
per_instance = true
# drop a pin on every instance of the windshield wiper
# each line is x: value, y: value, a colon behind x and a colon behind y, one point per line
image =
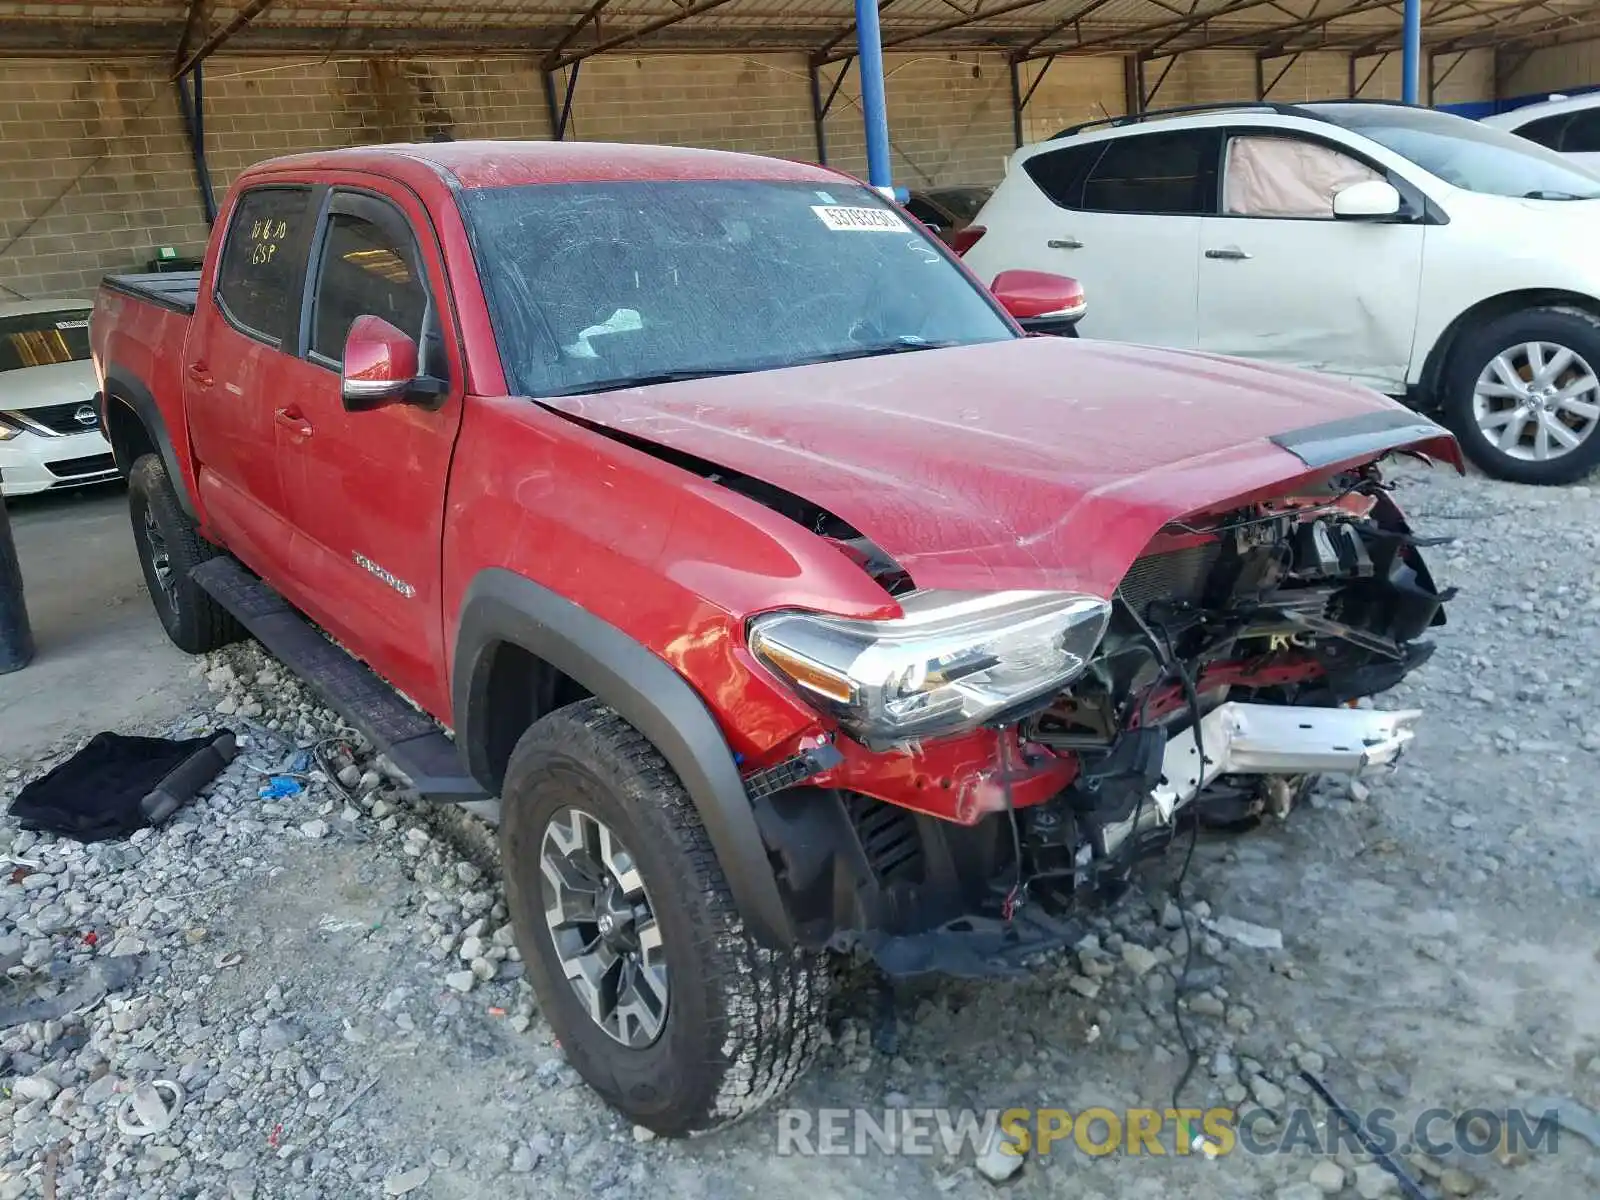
x: 1549, y: 195
x: 903, y: 345
x: 650, y: 380
x: 899, y: 346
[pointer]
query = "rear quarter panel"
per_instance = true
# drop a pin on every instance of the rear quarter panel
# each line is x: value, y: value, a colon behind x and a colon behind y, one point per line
x: 138, y: 355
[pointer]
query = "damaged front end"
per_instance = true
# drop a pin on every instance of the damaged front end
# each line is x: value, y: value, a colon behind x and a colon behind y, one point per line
x: 1220, y: 680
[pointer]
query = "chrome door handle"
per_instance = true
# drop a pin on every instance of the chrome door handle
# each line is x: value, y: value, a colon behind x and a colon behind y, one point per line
x: 1068, y: 243
x: 1229, y: 252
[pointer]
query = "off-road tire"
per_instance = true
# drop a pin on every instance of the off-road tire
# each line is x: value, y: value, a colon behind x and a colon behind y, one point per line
x: 1475, y: 348
x: 743, y: 1022
x: 194, y: 621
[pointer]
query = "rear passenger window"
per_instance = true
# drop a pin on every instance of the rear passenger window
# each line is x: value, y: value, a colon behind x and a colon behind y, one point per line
x: 1583, y: 133
x: 1168, y: 173
x: 368, y: 269
x: 258, y: 280
x: 1546, y: 131
x: 1060, y: 174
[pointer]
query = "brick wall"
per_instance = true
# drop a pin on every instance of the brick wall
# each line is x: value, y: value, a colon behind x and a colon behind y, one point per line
x: 1554, y: 68
x: 1208, y: 76
x: 98, y: 171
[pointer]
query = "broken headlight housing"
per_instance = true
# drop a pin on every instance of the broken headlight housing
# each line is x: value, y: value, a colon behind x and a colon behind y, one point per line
x: 952, y: 662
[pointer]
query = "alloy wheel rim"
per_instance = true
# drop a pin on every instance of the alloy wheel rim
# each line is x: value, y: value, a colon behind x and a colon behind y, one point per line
x: 603, y: 927
x: 1537, y: 401
x: 160, y: 559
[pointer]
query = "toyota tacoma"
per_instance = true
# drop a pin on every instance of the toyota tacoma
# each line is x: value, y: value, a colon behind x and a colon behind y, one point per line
x: 700, y: 519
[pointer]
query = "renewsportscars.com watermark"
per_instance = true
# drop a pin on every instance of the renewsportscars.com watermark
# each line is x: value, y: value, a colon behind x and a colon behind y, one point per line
x: 1214, y: 1132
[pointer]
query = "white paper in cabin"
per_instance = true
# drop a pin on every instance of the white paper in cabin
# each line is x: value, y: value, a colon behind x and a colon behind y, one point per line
x: 843, y: 219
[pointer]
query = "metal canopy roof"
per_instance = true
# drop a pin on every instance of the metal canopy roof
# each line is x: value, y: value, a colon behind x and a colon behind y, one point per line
x: 564, y: 31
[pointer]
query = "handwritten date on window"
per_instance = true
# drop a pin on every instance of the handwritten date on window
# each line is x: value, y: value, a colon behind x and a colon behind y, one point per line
x: 266, y: 235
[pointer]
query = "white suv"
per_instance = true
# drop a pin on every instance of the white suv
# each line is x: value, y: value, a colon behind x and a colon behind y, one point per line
x: 1568, y: 124
x: 49, y: 426
x: 1413, y: 251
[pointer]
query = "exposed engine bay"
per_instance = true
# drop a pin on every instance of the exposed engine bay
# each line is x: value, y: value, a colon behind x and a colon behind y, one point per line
x: 1311, y: 602
x: 1260, y: 627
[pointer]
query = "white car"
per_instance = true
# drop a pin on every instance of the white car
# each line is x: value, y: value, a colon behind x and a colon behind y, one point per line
x: 1568, y: 124
x: 1415, y: 252
x: 49, y: 430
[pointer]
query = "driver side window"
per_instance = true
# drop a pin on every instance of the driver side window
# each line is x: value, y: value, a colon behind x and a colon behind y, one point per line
x: 1286, y: 177
x: 367, y: 270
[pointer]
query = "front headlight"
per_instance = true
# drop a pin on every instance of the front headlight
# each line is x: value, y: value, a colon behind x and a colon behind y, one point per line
x: 8, y: 428
x: 953, y: 662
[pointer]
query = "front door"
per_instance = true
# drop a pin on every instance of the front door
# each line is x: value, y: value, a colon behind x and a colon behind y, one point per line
x: 1282, y: 279
x: 367, y: 489
x: 245, y: 332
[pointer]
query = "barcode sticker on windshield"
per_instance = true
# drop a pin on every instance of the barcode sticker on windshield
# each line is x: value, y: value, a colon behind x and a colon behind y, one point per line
x: 871, y: 220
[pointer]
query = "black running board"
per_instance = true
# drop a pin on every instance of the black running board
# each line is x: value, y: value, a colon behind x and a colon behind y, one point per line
x: 410, y: 740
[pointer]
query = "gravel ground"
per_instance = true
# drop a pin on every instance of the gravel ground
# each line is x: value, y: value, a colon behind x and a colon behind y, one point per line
x: 329, y: 980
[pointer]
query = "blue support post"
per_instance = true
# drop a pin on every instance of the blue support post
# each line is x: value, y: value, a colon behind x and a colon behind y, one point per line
x: 874, y: 109
x: 1411, y: 52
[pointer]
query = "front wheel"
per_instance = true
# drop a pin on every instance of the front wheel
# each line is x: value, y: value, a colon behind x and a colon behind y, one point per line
x: 1522, y: 395
x: 661, y: 1000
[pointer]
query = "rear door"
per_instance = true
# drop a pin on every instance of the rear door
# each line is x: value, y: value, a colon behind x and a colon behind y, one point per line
x: 1122, y: 216
x: 366, y: 490
x: 1281, y: 279
x: 244, y: 334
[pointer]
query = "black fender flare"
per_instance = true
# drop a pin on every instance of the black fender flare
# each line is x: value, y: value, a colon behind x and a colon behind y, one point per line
x: 501, y: 606
x: 129, y: 390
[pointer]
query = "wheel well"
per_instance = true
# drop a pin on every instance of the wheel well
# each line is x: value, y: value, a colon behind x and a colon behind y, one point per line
x: 1484, y: 311
x: 127, y: 434
x: 520, y: 687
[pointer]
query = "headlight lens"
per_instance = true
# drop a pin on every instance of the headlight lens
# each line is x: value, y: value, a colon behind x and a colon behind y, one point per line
x: 8, y: 428
x: 954, y: 661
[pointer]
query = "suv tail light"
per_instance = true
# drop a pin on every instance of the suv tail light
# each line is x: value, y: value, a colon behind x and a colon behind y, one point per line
x: 963, y: 240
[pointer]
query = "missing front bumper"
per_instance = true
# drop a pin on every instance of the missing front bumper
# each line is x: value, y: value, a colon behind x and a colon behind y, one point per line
x: 1262, y: 739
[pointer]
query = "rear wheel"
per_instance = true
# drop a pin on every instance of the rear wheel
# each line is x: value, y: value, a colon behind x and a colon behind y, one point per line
x: 169, y: 548
x: 660, y: 999
x: 1523, y: 395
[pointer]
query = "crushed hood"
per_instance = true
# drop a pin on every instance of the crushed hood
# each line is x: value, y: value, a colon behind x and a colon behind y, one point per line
x: 1038, y: 463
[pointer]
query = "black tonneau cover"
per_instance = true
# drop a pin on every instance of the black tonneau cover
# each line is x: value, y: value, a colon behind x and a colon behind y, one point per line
x: 176, y: 290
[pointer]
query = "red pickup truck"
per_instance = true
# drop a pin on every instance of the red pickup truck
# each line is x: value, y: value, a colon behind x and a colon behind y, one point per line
x: 702, y: 510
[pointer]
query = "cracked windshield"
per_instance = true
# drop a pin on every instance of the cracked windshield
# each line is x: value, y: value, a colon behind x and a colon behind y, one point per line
x: 596, y: 286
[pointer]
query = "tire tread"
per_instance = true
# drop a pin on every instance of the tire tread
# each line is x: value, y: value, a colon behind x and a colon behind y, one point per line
x: 203, y: 625
x: 772, y: 1001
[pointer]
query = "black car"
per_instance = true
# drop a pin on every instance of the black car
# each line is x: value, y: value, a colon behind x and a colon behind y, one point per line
x: 945, y: 211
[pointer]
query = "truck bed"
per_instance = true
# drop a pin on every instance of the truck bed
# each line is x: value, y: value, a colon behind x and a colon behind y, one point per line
x: 176, y: 290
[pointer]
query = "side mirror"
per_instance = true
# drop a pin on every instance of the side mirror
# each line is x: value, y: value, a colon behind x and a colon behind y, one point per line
x: 380, y: 367
x: 1040, y: 301
x: 1371, y: 199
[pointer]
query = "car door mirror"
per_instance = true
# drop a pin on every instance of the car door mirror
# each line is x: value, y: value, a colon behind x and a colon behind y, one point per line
x: 380, y: 366
x: 1040, y: 301
x: 1371, y: 199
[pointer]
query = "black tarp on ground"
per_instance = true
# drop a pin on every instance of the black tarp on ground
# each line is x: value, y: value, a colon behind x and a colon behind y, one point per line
x: 117, y: 784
